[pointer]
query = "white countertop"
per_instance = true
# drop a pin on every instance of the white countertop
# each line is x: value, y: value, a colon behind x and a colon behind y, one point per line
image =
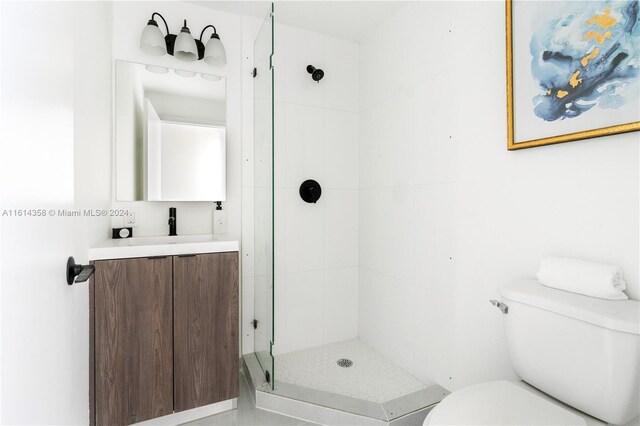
x: 162, y: 246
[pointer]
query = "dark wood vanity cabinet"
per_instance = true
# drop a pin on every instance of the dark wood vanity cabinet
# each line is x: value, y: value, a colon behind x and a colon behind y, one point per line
x: 163, y: 335
x: 133, y: 345
x: 206, y: 329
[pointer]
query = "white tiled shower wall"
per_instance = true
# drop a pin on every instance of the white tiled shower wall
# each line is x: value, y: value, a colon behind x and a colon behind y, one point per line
x: 316, y: 132
x: 447, y: 214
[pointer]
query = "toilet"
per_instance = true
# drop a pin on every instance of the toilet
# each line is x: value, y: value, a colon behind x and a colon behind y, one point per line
x: 581, y: 352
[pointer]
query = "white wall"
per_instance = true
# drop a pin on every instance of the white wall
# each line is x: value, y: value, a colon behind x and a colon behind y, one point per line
x: 315, y: 138
x: 130, y: 118
x: 129, y: 18
x: 64, y: 161
x: 56, y: 145
x: 447, y: 214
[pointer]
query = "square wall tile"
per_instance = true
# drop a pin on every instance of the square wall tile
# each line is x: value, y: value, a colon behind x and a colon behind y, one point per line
x: 341, y: 74
x: 302, y: 287
x: 280, y: 313
x: 369, y: 148
x: 370, y: 308
x: 279, y: 165
x: 304, y: 310
x: 262, y: 235
x: 370, y: 75
x: 281, y: 35
x: 247, y: 232
x: 304, y: 326
x: 304, y: 144
x: 395, y: 66
x: 280, y: 230
x: 434, y: 244
x: 434, y: 324
x: 304, y: 233
x: 340, y: 304
x: 427, y: 60
x: 395, y: 141
x: 262, y: 149
x: 247, y: 142
x: 369, y: 228
x: 398, y: 337
x: 436, y: 130
x: 340, y: 150
x: 262, y: 312
x: 247, y: 315
x: 396, y: 232
x: 340, y: 228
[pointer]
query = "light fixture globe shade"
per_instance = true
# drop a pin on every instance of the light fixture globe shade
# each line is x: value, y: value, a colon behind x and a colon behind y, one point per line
x: 152, y: 41
x: 214, y: 53
x: 185, y: 47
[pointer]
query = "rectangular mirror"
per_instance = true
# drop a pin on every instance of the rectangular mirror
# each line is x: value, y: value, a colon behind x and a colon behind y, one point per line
x: 170, y: 136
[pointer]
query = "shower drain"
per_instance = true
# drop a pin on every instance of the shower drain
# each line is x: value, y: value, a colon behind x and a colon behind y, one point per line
x: 344, y: 362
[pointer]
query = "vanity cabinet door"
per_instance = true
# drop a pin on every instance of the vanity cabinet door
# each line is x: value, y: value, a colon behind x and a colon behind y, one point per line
x: 205, y: 292
x: 133, y: 331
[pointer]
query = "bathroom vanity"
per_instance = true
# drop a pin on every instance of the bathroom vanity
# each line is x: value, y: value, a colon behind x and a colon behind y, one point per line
x: 163, y: 327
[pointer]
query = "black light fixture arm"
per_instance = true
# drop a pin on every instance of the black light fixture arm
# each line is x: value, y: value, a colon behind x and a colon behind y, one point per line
x: 163, y: 20
x: 215, y: 33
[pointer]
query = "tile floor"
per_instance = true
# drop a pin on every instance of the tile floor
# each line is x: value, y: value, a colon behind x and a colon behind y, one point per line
x: 247, y: 414
x: 372, y: 377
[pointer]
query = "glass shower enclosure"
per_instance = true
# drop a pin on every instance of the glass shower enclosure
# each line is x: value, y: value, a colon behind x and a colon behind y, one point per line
x: 340, y: 374
x: 264, y: 281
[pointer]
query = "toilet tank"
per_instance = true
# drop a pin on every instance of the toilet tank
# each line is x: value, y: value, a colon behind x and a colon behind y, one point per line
x: 581, y: 350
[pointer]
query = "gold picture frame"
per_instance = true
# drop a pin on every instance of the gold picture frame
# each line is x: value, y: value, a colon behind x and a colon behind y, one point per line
x: 512, y: 144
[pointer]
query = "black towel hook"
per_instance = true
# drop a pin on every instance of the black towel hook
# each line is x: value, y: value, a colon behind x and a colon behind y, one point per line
x: 82, y: 272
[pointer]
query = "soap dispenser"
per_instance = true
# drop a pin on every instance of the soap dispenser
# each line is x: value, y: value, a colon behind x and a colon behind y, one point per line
x: 219, y: 219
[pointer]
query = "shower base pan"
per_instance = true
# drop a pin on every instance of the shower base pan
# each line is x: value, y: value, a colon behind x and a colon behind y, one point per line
x: 312, y: 386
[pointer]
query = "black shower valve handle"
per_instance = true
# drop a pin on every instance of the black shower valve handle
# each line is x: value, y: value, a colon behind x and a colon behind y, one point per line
x: 310, y: 191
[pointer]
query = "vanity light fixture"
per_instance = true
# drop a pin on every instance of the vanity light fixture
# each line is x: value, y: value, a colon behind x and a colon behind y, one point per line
x: 183, y: 46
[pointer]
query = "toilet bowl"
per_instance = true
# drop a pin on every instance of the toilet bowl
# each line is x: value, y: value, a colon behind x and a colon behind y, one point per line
x: 504, y: 403
x: 578, y: 355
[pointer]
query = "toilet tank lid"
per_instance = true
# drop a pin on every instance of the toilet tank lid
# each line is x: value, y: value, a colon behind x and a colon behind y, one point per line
x: 619, y: 315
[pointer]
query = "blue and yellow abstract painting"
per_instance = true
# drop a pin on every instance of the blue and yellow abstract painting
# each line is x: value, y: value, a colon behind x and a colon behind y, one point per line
x: 587, y: 58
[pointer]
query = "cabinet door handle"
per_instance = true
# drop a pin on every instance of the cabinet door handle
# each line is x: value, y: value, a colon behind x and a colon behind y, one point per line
x: 186, y: 255
x: 156, y: 257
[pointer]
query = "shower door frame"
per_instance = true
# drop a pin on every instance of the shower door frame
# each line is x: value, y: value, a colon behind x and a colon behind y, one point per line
x: 264, y: 309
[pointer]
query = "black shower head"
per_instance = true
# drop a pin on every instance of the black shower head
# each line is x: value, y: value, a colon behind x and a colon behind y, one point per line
x: 316, y: 73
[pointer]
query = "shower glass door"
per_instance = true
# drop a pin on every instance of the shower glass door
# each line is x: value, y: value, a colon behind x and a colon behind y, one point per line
x: 263, y: 198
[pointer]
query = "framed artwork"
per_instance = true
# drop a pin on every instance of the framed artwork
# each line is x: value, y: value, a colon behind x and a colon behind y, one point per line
x: 573, y: 70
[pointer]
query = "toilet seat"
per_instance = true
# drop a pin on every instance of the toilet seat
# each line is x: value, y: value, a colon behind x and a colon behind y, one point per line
x: 499, y: 403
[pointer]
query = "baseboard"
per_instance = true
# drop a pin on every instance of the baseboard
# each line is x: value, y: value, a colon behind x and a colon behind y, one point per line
x: 193, y: 414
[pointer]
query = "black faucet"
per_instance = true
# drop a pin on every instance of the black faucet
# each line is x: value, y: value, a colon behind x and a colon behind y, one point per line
x: 173, y: 221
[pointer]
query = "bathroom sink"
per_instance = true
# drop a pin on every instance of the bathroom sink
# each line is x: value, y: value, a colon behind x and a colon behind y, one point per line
x: 162, y: 246
x: 178, y: 239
